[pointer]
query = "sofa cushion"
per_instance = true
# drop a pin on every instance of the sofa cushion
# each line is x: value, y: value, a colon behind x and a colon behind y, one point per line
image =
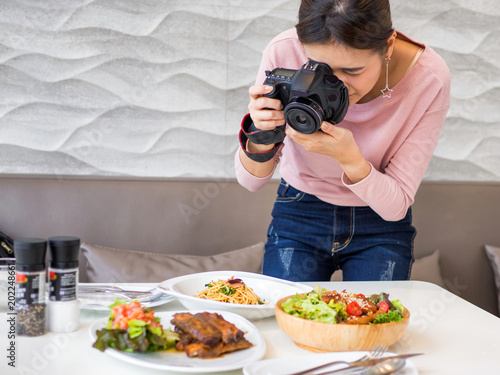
x: 106, y: 264
x: 427, y: 269
x: 424, y: 269
x: 493, y: 253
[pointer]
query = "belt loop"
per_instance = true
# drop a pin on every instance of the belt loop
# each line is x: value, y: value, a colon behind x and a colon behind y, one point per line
x: 285, y: 188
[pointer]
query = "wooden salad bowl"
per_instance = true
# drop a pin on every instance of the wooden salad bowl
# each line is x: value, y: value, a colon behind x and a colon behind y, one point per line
x: 327, y: 337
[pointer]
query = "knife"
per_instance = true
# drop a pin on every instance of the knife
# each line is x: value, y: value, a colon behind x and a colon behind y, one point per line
x: 369, y: 363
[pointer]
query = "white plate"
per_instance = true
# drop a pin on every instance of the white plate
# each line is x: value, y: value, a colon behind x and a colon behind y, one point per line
x: 269, y: 289
x: 101, y: 301
x: 179, y: 361
x: 281, y: 366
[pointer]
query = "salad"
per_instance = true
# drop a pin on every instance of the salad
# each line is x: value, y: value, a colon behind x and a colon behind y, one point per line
x: 325, y: 306
x: 133, y: 328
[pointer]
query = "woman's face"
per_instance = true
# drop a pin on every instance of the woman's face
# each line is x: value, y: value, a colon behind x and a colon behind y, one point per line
x: 360, y: 70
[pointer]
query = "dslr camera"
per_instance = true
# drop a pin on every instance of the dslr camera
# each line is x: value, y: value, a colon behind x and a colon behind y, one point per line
x: 309, y: 96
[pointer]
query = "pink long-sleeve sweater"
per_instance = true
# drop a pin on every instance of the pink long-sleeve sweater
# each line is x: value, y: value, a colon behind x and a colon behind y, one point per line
x: 396, y: 135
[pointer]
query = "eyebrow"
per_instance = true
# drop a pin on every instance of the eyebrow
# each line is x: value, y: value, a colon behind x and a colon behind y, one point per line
x: 349, y: 70
x: 352, y: 69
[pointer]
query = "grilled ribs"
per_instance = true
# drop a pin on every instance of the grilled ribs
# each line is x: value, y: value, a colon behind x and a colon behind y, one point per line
x: 207, y: 335
x: 229, y: 332
x: 199, y: 350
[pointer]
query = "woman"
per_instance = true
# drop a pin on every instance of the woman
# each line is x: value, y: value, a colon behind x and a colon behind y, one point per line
x: 345, y: 198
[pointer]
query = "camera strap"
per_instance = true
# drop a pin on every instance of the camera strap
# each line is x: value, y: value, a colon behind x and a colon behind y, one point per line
x: 250, y: 133
x: 261, y: 137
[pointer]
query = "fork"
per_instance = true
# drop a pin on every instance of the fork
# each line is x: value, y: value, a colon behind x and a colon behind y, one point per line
x: 114, y: 290
x: 377, y: 352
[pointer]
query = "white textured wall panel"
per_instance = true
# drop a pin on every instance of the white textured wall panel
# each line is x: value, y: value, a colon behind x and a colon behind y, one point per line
x: 157, y: 88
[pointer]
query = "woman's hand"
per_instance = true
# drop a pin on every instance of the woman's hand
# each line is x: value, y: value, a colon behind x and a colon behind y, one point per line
x: 266, y: 113
x: 338, y: 143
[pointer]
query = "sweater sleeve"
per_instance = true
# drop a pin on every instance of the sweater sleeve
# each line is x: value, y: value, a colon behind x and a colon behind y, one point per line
x: 391, y: 192
x: 248, y: 180
x: 272, y: 57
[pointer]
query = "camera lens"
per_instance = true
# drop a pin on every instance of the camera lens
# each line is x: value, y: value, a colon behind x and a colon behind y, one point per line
x: 301, y: 119
x: 305, y: 115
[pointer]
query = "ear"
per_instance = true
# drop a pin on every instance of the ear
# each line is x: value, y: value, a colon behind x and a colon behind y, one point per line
x: 391, y: 41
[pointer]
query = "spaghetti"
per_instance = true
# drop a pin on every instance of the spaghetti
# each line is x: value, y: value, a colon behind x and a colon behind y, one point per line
x: 230, y: 291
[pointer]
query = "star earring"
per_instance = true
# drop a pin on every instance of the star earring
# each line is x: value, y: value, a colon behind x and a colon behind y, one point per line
x: 387, y: 92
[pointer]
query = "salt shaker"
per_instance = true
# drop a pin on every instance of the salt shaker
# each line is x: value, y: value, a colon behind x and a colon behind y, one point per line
x: 30, y: 286
x: 63, y: 307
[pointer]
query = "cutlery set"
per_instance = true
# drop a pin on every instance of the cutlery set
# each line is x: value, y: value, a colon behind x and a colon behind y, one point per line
x: 371, y: 364
x: 149, y: 295
x: 113, y: 290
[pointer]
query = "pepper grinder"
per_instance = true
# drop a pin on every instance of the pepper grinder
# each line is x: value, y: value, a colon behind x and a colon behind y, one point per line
x: 63, y: 306
x: 30, y: 286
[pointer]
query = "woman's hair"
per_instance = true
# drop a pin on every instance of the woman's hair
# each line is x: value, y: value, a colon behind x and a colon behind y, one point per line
x: 360, y: 24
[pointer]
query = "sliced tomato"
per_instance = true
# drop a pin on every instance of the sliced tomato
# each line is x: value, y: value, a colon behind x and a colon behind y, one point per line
x: 353, y: 309
x: 122, y: 314
x: 383, y: 306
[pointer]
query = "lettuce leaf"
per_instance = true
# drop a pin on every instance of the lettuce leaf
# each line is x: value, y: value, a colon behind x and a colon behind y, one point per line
x: 310, y: 306
x: 120, y: 340
x: 142, y: 340
x: 136, y: 328
x: 390, y: 316
x: 398, y: 305
x: 340, y: 309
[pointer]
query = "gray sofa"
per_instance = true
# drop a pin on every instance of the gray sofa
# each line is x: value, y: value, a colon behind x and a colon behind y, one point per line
x: 208, y: 217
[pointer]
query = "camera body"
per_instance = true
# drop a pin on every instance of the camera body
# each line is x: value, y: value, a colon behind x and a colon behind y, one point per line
x: 309, y: 96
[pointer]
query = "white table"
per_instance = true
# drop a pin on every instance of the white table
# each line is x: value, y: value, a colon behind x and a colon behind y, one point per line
x: 456, y: 337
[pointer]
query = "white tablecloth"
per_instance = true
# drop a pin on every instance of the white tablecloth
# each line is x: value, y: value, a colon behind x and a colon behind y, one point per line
x: 456, y: 337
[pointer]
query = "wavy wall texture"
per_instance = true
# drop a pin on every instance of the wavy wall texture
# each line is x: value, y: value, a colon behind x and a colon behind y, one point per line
x: 157, y: 89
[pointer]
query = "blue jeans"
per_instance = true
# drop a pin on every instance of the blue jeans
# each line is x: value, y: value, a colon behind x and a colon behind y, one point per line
x: 308, y: 239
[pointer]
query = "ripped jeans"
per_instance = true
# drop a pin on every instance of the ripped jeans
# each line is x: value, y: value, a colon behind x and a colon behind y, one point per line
x: 308, y: 239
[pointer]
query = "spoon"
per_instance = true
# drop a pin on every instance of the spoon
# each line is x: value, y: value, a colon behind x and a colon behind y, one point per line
x: 386, y: 368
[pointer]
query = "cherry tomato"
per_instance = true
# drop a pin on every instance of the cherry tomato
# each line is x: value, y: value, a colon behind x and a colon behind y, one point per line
x: 353, y: 308
x: 360, y: 295
x: 384, y: 306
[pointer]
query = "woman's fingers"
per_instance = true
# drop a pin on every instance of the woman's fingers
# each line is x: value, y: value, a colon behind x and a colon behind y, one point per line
x: 256, y: 91
x: 266, y: 112
x: 336, y: 132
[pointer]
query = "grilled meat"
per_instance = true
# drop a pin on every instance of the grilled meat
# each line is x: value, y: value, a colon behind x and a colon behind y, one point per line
x: 207, y: 335
x: 229, y: 332
x: 199, y: 350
